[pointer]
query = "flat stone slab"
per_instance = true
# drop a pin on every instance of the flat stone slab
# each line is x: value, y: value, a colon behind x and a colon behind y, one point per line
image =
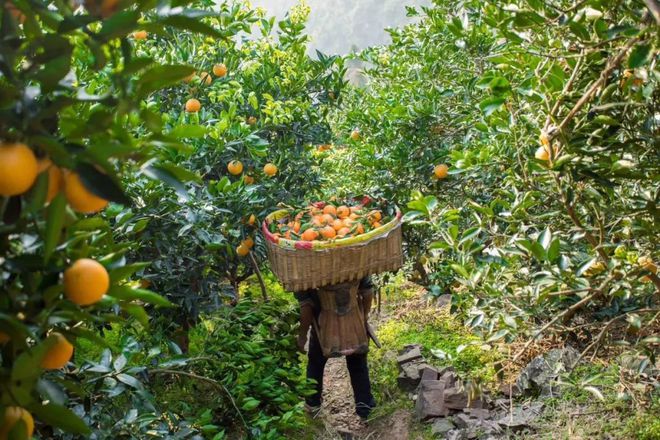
x: 430, y: 400
x: 409, y: 353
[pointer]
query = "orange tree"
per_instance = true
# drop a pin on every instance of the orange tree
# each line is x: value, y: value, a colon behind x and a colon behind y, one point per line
x: 251, y: 114
x: 72, y: 125
x: 546, y: 115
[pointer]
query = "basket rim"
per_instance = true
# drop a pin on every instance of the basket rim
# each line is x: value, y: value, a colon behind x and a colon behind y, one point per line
x: 323, y: 245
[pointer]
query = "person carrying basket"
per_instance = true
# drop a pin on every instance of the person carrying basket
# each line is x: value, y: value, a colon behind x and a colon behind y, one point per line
x: 337, y: 316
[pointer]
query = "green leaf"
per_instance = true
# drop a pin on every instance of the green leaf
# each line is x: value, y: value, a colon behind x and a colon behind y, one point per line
x: 123, y: 272
x: 639, y: 56
x: 101, y: 184
x: 127, y: 293
x: 137, y: 312
x: 162, y: 174
x: 490, y: 105
x: 190, y: 24
x: 54, y: 224
x: 60, y: 417
x: 554, y: 250
x: 188, y: 131
x: 159, y: 77
x: 460, y: 270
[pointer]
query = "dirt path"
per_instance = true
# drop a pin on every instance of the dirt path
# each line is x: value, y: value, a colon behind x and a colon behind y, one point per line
x: 338, y: 414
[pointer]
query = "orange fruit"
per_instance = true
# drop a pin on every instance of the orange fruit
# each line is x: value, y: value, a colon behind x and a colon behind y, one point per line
x: 248, y: 242
x: 140, y: 35
x: 376, y: 225
x: 12, y: 415
x: 359, y: 229
x: 252, y: 220
x: 55, y: 182
x: 105, y: 8
x: 15, y: 12
x: 270, y: 169
x: 18, y: 169
x: 220, y: 70
x: 251, y: 120
x: 343, y: 232
x: 328, y: 219
x: 193, y: 105
x: 296, y: 227
x: 79, y: 197
x: 189, y: 78
x: 310, y: 235
x: 337, y: 224
x: 248, y: 180
x: 242, y: 250
x: 206, y: 78
x: 58, y: 355
x: 355, y: 135
x: 348, y: 222
x: 86, y: 281
x: 542, y: 153
x: 4, y: 338
x: 441, y: 171
x: 328, y: 232
x: 375, y: 216
x: 318, y: 220
x: 235, y: 167
x: 353, y: 216
x: 330, y: 209
x: 343, y: 211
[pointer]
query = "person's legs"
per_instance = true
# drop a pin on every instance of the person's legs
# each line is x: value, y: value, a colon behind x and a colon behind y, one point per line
x: 315, y: 366
x: 359, y: 372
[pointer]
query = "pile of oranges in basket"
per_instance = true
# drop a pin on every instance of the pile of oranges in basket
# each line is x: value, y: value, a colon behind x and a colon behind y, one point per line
x: 327, y: 221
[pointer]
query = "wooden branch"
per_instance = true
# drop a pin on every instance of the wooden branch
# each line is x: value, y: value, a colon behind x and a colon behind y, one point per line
x: 591, y: 91
x: 654, y: 8
x: 608, y: 324
x: 264, y: 293
x: 202, y: 379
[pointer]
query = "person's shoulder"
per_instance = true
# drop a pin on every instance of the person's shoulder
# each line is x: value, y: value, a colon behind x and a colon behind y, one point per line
x: 366, y: 283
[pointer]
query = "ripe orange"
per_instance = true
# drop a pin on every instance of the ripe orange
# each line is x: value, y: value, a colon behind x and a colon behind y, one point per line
x: 270, y: 169
x: 328, y: 232
x: 252, y: 220
x: 542, y: 153
x: 441, y: 171
x: 375, y: 216
x: 242, y: 250
x: 189, y: 78
x: 343, y: 232
x: 343, y: 211
x: 12, y: 415
x: 248, y: 243
x: 359, y: 229
x: 355, y: 135
x: 544, y: 139
x: 248, y: 180
x: 235, y: 167
x: 318, y: 220
x: 4, y: 338
x: 354, y: 216
x: 86, y: 281
x: 330, y: 209
x: 55, y: 182
x: 220, y: 70
x: 348, y: 222
x: 15, y: 12
x: 193, y: 105
x: 18, y: 169
x: 58, y: 355
x: 328, y: 219
x: 296, y: 227
x: 376, y: 225
x: 251, y: 120
x: 140, y: 35
x: 310, y: 235
x: 337, y: 224
x: 206, y: 78
x: 79, y: 197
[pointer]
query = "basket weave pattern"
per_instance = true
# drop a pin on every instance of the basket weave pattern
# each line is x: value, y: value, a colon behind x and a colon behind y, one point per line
x: 301, y: 269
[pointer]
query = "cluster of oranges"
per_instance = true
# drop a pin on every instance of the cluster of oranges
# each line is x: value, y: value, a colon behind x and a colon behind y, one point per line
x: 219, y: 70
x: 85, y: 281
x: 235, y: 168
x: 321, y: 221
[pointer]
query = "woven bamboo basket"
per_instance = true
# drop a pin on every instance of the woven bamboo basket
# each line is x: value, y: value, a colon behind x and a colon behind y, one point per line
x: 302, y: 265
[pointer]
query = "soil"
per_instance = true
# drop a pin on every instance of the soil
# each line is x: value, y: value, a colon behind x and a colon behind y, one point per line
x: 338, y: 412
